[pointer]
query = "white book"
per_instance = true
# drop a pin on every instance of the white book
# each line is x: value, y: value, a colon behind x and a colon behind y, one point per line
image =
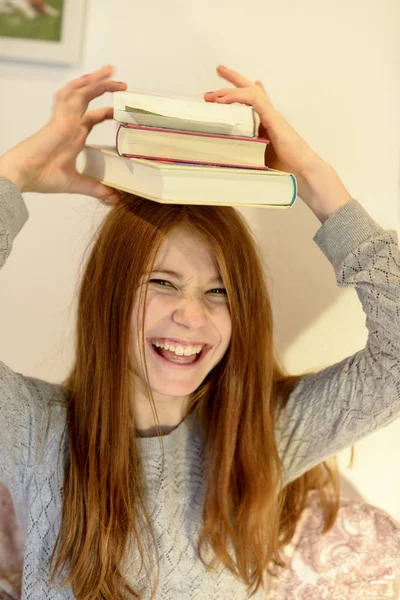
x: 185, y: 113
x: 177, y: 183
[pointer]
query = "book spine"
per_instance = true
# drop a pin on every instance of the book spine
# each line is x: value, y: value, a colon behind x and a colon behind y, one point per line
x: 117, y: 140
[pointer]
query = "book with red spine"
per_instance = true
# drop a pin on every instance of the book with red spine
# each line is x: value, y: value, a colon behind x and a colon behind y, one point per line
x: 188, y: 147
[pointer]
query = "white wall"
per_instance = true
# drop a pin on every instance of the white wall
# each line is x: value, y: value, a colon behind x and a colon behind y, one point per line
x: 332, y: 68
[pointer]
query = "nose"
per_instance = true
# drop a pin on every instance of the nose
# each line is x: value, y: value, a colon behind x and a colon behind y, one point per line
x: 190, y: 313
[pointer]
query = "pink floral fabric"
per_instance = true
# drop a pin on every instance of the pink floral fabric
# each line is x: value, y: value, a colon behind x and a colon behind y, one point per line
x: 358, y: 559
x: 12, y: 545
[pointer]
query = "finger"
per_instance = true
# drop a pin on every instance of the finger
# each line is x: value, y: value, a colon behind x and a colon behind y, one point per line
x: 90, y: 187
x: 94, y: 91
x: 77, y: 103
x: 94, y: 117
x: 262, y: 88
x: 233, y: 77
x: 219, y: 93
x: 85, y: 80
x: 228, y: 96
x: 89, y: 120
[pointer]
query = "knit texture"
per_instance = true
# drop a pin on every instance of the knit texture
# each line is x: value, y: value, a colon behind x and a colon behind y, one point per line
x: 326, y: 413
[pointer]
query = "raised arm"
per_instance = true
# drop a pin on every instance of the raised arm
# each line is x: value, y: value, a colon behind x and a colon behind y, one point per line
x: 335, y: 408
x: 45, y: 162
x: 319, y: 186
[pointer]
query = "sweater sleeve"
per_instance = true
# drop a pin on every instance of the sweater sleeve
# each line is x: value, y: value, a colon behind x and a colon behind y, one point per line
x: 13, y: 215
x: 15, y: 396
x: 333, y: 409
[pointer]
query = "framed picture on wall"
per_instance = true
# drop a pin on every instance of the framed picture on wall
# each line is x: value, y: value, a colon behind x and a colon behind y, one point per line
x: 42, y: 30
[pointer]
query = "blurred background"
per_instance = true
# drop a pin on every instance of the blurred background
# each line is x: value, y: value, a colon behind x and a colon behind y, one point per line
x: 332, y: 68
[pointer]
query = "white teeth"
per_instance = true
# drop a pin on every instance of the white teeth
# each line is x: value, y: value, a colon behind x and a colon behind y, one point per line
x: 178, y: 349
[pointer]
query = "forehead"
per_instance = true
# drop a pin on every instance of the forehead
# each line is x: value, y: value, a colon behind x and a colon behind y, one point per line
x: 187, y: 248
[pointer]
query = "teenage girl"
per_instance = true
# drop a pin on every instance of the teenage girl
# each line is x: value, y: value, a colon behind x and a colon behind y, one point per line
x: 174, y: 321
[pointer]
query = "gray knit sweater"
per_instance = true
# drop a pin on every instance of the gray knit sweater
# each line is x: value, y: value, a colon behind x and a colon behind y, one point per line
x: 326, y: 412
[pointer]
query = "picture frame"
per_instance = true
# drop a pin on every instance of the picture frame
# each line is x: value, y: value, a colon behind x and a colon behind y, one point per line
x: 48, y: 31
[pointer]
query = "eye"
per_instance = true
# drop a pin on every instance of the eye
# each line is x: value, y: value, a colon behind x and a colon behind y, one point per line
x: 159, y: 281
x: 218, y: 291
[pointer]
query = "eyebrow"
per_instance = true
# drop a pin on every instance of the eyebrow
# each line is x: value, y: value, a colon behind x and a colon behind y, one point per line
x: 180, y: 277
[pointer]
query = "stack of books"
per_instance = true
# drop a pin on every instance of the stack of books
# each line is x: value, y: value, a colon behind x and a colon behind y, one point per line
x: 179, y: 150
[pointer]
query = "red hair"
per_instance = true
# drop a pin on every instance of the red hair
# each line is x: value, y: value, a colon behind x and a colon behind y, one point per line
x: 245, y: 505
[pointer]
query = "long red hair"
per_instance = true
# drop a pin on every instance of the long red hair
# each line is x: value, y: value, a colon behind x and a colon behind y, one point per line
x: 246, y: 504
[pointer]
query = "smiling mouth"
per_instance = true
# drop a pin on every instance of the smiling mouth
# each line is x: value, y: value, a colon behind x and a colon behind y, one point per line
x: 174, y: 359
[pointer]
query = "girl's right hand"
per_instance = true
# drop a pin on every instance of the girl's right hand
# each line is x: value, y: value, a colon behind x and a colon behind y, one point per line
x: 45, y: 162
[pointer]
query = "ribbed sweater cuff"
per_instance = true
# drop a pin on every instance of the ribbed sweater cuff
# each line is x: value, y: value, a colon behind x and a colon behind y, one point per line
x: 13, y: 211
x: 344, y: 231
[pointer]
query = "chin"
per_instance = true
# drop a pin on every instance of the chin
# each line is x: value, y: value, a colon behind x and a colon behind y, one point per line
x: 178, y: 389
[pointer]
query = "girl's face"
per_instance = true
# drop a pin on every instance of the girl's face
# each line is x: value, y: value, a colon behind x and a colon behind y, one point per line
x: 186, y: 308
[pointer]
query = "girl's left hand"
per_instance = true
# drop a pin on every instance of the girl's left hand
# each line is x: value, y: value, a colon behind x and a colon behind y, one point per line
x: 287, y: 150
